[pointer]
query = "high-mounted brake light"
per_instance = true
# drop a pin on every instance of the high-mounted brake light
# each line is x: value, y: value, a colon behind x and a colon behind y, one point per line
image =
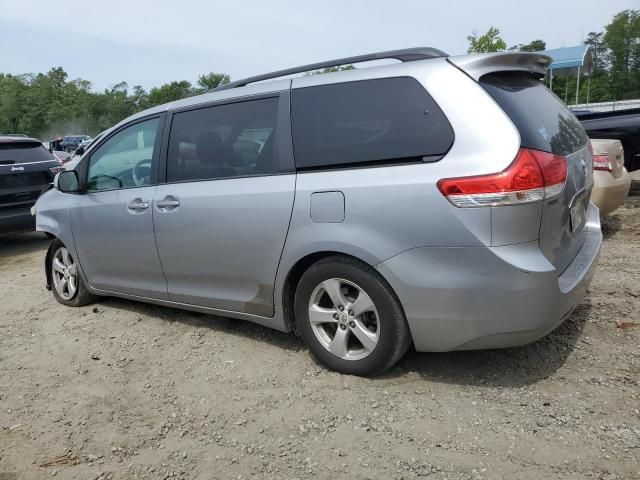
x: 601, y: 162
x: 531, y: 177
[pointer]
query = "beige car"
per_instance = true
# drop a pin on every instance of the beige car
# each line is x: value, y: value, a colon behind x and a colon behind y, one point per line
x: 611, y: 180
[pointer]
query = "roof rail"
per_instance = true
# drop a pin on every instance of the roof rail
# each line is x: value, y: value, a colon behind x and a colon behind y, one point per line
x: 404, y: 55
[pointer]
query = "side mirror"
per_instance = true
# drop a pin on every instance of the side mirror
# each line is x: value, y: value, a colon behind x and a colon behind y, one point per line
x: 79, y: 151
x: 67, y: 182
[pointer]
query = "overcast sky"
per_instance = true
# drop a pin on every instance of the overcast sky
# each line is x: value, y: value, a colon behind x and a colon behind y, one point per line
x: 150, y: 42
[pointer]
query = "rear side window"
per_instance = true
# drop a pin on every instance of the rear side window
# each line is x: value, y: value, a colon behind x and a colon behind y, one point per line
x: 367, y: 122
x: 544, y: 122
x: 23, y: 152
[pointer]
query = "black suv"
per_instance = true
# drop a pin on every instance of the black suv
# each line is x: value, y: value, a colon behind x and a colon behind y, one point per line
x: 26, y: 170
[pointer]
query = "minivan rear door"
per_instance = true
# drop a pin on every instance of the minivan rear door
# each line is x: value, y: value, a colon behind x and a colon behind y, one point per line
x: 546, y: 124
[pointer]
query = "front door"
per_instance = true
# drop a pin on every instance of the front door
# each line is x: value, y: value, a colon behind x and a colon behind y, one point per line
x: 222, y: 217
x: 112, y: 222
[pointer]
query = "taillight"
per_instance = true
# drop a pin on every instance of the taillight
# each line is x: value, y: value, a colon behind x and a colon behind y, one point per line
x: 531, y: 177
x: 56, y: 170
x: 601, y: 162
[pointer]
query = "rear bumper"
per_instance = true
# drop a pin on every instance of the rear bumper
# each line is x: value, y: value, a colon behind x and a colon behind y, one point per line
x: 488, y: 297
x: 609, y: 193
x: 17, y: 220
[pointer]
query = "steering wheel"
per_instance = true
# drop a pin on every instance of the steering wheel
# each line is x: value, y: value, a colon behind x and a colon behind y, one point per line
x: 141, y: 173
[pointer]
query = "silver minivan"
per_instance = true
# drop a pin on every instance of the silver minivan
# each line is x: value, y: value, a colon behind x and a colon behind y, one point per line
x: 440, y: 202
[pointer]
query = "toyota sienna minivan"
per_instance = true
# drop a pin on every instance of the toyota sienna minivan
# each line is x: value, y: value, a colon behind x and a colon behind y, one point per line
x: 440, y: 202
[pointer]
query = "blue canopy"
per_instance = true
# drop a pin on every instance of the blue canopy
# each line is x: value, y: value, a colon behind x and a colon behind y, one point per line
x: 570, y: 57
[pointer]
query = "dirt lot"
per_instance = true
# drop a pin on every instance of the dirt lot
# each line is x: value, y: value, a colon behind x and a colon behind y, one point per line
x: 123, y: 390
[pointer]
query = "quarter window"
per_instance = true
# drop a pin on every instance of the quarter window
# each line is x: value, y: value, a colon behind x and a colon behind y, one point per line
x: 224, y: 141
x: 124, y: 160
x: 367, y: 122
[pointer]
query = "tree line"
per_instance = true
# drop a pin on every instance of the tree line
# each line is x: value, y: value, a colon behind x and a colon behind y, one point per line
x: 615, y: 52
x: 45, y: 105
x: 49, y: 104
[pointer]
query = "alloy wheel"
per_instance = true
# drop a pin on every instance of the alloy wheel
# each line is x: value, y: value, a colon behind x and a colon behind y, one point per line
x: 344, y: 319
x: 64, y: 273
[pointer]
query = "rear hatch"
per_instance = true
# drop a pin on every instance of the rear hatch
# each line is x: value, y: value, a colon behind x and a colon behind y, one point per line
x: 26, y: 170
x: 546, y: 124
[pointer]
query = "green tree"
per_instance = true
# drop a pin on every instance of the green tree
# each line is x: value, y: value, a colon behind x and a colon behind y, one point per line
x: 489, y: 42
x: 169, y: 92
x: 11, y: 102
x: 534, y: 46
x: 209, y: 81
x: 44, y: 105
x: 598, y: 50
x: 622, y: 40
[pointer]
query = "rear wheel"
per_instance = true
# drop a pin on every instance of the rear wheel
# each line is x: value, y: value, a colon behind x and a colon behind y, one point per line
x: 67, y: 285
x: 350, y: 318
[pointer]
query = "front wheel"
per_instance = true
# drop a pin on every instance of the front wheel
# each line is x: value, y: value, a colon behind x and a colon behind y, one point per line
x: 67, y: 285
x: 350, y: 318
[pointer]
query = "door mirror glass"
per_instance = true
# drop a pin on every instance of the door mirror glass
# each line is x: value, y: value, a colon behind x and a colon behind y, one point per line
x: 67, y: 182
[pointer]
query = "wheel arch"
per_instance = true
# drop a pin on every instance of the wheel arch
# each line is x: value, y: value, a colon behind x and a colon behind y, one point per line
x: 301, y: 265
x: 47, y: 263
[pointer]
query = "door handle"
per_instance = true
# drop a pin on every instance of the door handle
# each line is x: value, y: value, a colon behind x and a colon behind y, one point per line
x: 137, y: 204
x: 168, y: 202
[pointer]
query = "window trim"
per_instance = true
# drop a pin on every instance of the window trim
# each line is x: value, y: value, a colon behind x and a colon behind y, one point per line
x: 83, y: 166
x: 385, y: 162
x: 284, y: 145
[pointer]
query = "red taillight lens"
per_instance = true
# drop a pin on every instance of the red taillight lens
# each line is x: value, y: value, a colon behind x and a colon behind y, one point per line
x: 601, y: 162
x: 532, y: 176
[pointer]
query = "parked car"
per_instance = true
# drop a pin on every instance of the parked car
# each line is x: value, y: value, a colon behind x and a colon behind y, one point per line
x: 611, y: 181
x: 85, y: 143
x: 82, y: 148
x: 440, y: 201
x: 70, y: 142
x: 623, y: 125
x: 26, y: 170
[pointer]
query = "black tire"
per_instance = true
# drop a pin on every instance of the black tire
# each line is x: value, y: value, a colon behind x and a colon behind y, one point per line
x: 394, y: 336
x: 81, y: 296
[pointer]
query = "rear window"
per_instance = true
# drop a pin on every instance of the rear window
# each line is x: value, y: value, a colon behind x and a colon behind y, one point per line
x: 11, y: 153
x: 543, y: 120
x: 367, y: 122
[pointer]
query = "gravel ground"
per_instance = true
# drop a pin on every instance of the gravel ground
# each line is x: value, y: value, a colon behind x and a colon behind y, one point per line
x: 122, y: 390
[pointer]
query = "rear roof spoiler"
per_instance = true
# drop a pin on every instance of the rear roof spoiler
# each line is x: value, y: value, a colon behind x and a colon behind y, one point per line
x: 478, y: 65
